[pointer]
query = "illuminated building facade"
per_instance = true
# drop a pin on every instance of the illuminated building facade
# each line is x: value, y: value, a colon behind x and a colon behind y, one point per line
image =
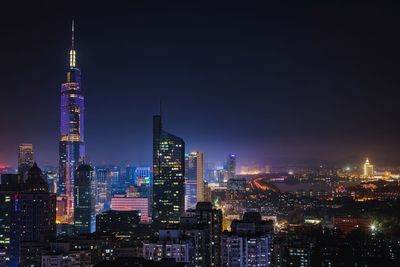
x: 168, y: 178
x: 368, y: 169
x: 84, y: 209
x: 249, y: 242
x: 171, y: 244
x: 122, y: 203
x: 194, y: 182
x: 103, y: 189
x: 72, y: 146
x: 25, y: 159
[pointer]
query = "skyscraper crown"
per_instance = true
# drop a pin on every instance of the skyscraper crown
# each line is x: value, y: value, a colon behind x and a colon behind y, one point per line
x: 72, y: 52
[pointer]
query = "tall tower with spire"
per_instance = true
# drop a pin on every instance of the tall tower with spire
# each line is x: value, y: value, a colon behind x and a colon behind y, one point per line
x: 72, y: 144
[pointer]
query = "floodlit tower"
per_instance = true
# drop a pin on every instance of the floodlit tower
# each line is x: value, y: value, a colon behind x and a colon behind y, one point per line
x: 368, y: 169
x: 72, y: 146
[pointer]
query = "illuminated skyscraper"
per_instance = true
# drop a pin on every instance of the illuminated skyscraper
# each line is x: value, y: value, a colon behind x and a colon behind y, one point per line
x: 169, y: 167
x: 72, y: 146
x: 368, y: 169
x: 103, y: 189
x: 194, y: 183
x: 25, y: 159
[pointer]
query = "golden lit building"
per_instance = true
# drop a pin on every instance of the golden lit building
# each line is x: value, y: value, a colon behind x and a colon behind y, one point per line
x: 368, y: 169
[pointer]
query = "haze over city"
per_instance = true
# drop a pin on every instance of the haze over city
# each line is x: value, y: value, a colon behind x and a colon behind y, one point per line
x: 199, y: 134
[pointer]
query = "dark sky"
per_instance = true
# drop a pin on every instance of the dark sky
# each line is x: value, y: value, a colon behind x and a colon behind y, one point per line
x: 273, y: 83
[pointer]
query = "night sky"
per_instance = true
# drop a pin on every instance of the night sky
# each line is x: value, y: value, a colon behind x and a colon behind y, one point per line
x: 273, y: 83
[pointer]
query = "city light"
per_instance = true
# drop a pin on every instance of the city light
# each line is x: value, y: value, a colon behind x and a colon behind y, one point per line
x: 198, y: 134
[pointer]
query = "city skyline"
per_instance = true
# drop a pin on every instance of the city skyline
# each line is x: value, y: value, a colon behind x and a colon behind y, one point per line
x: 199, y: 134
x: 138, y: 60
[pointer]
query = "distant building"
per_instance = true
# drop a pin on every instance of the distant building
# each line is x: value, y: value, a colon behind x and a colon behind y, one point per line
x: 237, y: 184
x: 249, y: 242
x: 230, y: 167
x: 123, y: 203
x: 103, y: 189
x: 168, y: 172
x: 84, y: 209
x: 115, y: 176
x: 62, y: 214
x: 236, y: 188
x: 142, y: 175
x: 194, y: 180
x: 368, y: 169
x: 347, y: 224
x: 52, y: 180
x: 25, y: 159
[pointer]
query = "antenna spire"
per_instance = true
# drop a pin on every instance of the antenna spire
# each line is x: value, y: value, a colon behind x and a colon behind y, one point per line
x: 72, y: 53
x: 73, y: 35
x: 160, y: 107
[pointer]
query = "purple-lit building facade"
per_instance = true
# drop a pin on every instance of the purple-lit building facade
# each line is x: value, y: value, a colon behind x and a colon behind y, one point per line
x: 72, y: 146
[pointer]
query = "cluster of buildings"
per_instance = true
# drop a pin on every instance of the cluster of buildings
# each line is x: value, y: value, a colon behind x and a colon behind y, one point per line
x: 177, y: 212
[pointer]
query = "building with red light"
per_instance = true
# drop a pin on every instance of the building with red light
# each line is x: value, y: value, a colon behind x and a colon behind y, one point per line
x: 123, y: 203
x: 347, y: 224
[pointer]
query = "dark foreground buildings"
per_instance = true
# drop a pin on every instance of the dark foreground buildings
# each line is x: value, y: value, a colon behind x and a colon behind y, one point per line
x: 84, y: 194
x: 28, y: 214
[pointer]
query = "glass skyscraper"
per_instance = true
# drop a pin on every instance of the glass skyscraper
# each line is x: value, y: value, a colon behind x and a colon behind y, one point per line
x: 194, y: 180
x: 168, y: 184
x: 25, y: 159
x: 72, y: 146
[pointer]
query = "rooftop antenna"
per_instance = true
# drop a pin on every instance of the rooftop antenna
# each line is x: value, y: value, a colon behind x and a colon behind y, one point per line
x: 73, y: 33
x: 72, y: 53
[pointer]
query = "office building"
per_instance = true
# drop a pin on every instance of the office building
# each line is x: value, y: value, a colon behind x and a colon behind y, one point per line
x: 194, y: 179
x: 103, y: 189
x: 72, y: 144
x: 25, y: 159
x: 168, y: 172
x: 84, y: 209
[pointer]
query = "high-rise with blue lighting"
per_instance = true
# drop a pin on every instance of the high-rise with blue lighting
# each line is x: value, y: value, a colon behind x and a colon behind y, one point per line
x: 72, y: 146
